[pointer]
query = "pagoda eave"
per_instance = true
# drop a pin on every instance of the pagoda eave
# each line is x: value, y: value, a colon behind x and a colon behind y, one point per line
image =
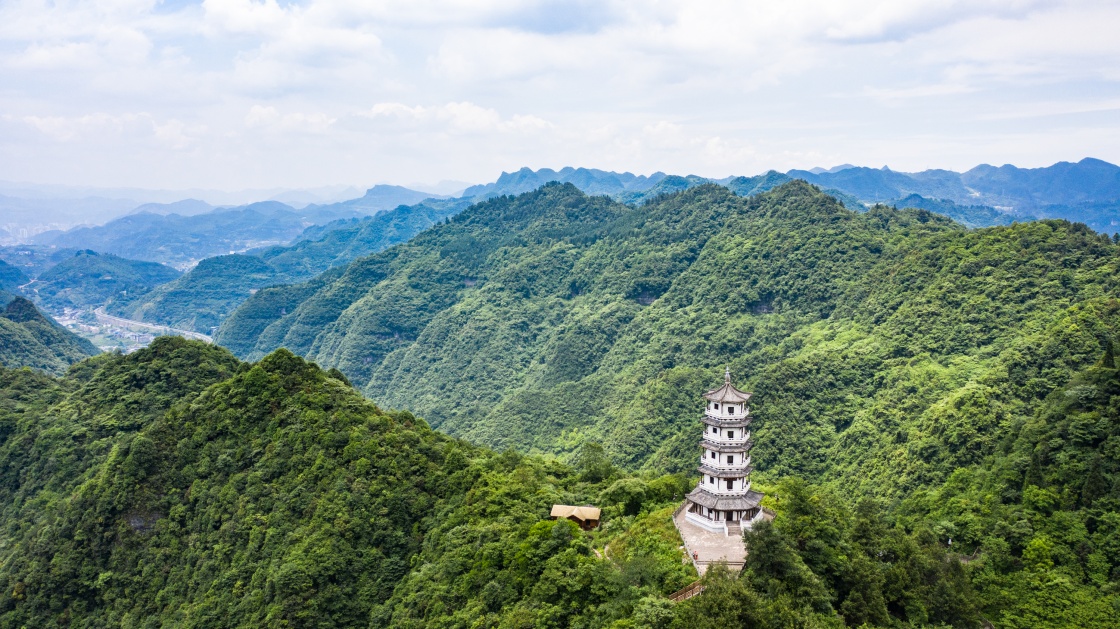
x: 722, y: 473
x: 727, y: 447
x: 743, y: 502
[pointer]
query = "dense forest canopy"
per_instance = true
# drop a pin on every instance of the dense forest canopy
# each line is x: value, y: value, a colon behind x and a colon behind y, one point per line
x: 29, y: 338
x: 937, y: 413
x: 177, y: 485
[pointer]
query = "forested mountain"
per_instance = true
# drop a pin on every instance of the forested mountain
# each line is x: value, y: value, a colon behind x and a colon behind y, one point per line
x: 574, y: 311
x: 88, y: 278
x: 11, y: 278
x: 200, y: 299
x: 891, y: 352
x: 28, y: 338
x: 33, y: 260
x: 177, y: 486
x: 208, y: 293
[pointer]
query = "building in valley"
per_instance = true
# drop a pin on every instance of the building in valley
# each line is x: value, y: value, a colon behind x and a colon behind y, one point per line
x: 723, y: 498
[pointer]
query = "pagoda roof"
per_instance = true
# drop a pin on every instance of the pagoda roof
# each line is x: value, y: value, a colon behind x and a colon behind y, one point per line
x: 727, y: 393
x: 742, y: 502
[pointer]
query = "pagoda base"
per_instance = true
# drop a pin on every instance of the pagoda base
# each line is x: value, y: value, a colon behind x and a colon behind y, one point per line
x: 706, y: 523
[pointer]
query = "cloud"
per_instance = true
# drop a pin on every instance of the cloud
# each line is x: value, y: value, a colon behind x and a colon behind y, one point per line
x: 460, y: 117
x: 169, y: 133
x: 266, y: 92
x: 263, y: 117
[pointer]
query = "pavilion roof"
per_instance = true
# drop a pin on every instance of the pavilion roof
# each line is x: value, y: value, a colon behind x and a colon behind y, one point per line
x: 581, y: 513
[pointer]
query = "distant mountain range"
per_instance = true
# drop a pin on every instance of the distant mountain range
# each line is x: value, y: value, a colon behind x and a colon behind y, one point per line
x: 1087, y: 191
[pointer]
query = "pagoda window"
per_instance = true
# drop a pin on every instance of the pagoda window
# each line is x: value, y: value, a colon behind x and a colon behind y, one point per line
x: 730, y: 434
x: 729, y: 482
x: 712, y: 479
x: 730, y: 459
x: 717, y: 406
x: 731, y: 409
x: 713, y: 455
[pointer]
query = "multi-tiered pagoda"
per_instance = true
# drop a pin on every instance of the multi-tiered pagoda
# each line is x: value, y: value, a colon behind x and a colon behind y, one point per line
x: 723, y: 497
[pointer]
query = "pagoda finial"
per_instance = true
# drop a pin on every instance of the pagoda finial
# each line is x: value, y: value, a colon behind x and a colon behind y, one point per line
x: 726, y: 374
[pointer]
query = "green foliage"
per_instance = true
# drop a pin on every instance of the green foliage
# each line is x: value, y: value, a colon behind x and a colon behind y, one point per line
x: 92, y: 279
x: 176, y: 485
x: 203, y: 297
x: 11, y: 277
x: 947, y: 372
x: 28, y: 338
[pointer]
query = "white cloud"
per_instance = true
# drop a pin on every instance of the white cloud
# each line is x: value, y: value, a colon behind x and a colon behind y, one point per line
x: 265, y: 92
x: 461, y: 117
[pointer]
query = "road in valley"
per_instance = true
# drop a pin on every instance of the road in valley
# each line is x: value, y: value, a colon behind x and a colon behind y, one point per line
x: 108, y: 318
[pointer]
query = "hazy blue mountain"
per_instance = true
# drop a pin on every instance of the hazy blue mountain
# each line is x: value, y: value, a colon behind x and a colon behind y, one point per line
x: 321, y: 249
x: 92, y: 279
x: 381, y: 198
x: 186, y: 207
x: 1065, y: 183
x: 967, y: 215
x: 182, y: 240
x: 23, y: 218
x: 873, y: 185
x: 208, y: 293
x: 1087, y: 191
x: 589, y: 180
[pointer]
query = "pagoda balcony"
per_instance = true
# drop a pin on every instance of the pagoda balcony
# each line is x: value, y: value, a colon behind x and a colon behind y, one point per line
x: 727, y: 446
x: 718, y: 421
x: 719, y: 488
x: 732, y: 472
x: 740, y: 439
x: 721, y: 463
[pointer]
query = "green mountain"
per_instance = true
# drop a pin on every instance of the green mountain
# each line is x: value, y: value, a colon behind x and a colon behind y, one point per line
x: 585, y: 319
x: 11, y: 278
x: 28, y: 338
x: 967, y: 215
x: 353, y: 239
x: 89, y: 278
x: 177, y: 486
x: 892, y: 353
x: 33, y: 260
x: 203, y: 297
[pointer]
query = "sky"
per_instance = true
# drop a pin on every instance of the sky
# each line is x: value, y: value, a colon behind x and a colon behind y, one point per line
x: 235, y: 94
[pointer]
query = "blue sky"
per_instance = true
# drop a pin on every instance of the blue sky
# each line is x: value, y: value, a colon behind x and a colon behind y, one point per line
x: 248, y: 93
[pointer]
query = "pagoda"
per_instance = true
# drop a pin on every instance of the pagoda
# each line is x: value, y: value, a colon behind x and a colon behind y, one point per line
x: 723, y: 498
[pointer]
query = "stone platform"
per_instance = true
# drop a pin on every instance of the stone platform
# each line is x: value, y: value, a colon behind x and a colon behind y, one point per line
x: 710, y: 547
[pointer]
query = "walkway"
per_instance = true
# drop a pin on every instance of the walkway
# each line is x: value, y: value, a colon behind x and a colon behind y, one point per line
x: 710, y: 548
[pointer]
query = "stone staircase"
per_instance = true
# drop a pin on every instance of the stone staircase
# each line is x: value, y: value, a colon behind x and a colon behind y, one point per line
x: 734, y: 529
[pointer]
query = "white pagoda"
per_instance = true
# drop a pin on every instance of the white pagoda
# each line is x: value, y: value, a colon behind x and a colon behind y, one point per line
x: 723, y: 498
